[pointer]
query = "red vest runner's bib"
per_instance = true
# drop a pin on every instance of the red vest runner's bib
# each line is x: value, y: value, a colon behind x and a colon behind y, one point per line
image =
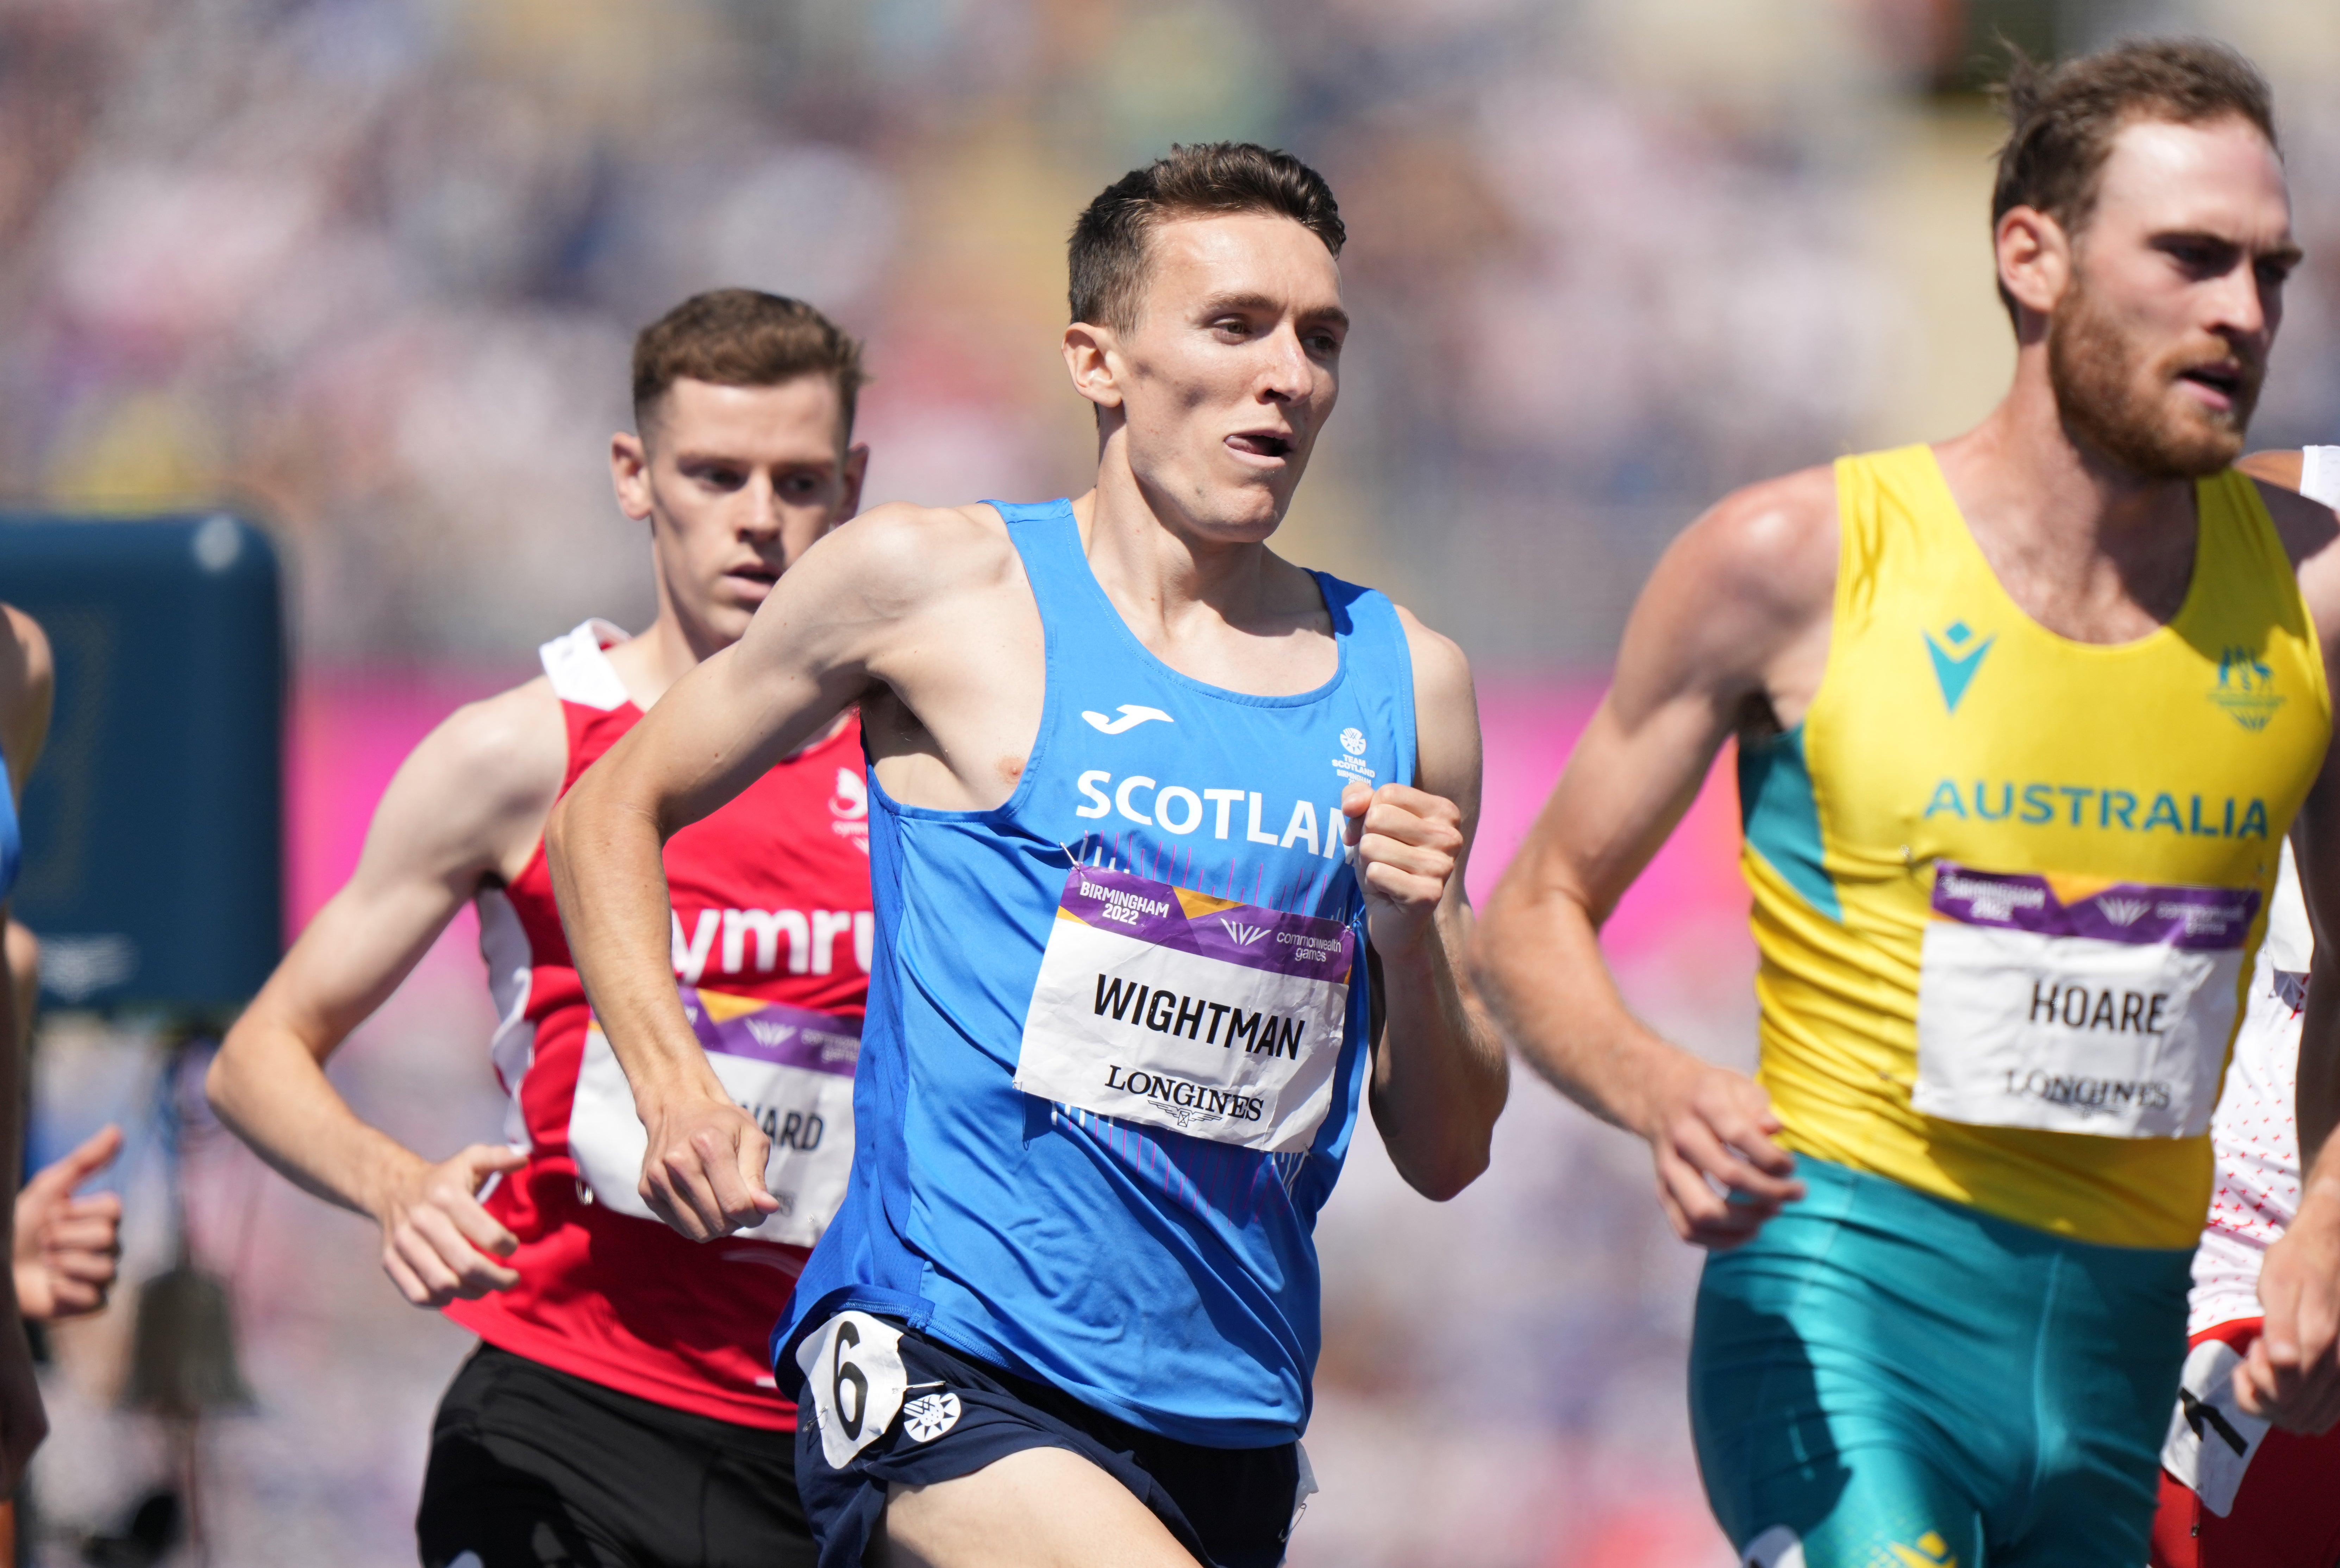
x: 772, y: 930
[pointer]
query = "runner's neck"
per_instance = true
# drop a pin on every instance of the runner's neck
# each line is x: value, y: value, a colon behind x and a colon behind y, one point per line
x: 1173, y: 586
x: 2069, y: 534
x: 651, y: 662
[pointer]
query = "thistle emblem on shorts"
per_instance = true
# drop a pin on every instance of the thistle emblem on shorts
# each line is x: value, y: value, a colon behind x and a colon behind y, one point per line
x: 930, y: 1416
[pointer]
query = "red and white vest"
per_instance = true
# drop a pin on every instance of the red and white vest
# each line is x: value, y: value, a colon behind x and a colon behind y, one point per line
x: 772, y: 930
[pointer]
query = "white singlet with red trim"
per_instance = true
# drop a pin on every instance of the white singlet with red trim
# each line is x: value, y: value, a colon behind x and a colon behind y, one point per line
x: 2255, y: 1131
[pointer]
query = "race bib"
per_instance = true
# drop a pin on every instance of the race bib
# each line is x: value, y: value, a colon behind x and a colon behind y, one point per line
x: 2211, y: 1440
x: 854, y: 1381
x: 1177, y: 1010
x: 2107, y: 1013
x: 788, y: 1067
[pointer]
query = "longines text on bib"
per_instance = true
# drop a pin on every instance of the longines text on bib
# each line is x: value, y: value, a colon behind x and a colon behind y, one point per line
x: 2049, y: 1004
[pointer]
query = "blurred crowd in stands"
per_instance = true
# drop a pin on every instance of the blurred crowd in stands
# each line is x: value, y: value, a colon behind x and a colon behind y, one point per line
x: 371, y: 266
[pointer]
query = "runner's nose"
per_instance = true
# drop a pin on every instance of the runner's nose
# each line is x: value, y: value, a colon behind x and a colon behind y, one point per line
x: 759, y: 517
x: 1288, y: 374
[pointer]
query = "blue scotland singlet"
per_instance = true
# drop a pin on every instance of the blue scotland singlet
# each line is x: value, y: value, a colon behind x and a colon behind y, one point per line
x: 1159, y: 936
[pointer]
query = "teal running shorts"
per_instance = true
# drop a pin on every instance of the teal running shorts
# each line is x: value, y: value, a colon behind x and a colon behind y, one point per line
x: 1885, y: 1379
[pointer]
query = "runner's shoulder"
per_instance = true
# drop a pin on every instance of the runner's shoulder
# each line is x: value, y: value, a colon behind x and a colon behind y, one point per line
x: 1767, y: 550
x: 2309, y: 529
x: 492, y: 767
x: 1441, y: 671
x: 895, y: 555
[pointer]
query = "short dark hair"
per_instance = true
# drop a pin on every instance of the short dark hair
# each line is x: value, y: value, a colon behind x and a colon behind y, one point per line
x: 1108, y: 248
x: 743, y: 338
x: 2061, y: 119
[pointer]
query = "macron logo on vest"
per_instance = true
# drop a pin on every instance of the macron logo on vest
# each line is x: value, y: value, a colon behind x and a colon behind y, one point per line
x: 1955, y: 666
x: 1132, y: 716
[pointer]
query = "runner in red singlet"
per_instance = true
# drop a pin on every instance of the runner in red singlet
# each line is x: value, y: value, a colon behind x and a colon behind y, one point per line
x: 619, y: 1410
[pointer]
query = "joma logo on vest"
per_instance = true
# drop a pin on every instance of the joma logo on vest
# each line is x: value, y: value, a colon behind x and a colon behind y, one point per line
x: 812, y: 937
x: 2082, y: 806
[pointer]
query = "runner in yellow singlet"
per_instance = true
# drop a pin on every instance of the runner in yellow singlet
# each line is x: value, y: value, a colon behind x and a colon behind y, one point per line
x: 2022, y: 721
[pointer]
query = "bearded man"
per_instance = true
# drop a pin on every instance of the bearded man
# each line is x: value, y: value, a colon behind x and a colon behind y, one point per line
x: 2022, y: 719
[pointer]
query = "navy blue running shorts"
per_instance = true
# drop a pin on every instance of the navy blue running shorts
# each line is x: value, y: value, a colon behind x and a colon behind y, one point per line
x: 942, y: 1416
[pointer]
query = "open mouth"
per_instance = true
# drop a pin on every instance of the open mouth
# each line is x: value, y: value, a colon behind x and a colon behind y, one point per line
x: 1261, y: 444
x: 2226, y: 381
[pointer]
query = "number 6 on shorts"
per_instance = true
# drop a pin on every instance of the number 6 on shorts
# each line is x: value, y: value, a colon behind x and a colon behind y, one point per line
x: 853, y: 1370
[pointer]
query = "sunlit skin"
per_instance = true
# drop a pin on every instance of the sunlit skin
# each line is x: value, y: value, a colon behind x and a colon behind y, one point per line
x: 2184, y: 255
x: 2192, y: 236
x: 736, y: 482
x: 2167, y: 302
x: 1212, y: 402
x: 2178, y: 278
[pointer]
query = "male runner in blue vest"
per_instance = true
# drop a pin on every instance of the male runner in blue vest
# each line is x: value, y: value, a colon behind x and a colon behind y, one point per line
x: 1167, y: 838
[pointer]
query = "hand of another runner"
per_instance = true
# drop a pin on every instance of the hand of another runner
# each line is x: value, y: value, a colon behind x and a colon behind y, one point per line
x: 436, y: 1239
x: 703, y: 1173
x: 1406, y: 840
x: 2292, y: 1374
x: 1711, y: 1128
x: 68, y: 1248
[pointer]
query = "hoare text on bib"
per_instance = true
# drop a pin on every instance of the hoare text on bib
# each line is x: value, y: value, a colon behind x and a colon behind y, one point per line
x: 792, y: 1069
x: 1174, y: 1010
x: 2068, y: 1005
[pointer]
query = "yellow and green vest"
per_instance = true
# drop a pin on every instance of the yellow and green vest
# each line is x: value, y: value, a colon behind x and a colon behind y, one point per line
x: 2065, y: 848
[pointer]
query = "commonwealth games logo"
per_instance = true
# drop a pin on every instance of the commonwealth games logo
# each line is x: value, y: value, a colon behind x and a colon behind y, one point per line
x: 930, y: 1416
x: 2245, y: 689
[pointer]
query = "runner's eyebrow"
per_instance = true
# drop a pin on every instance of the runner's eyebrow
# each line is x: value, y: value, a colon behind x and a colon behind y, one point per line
x: 1259, y: 303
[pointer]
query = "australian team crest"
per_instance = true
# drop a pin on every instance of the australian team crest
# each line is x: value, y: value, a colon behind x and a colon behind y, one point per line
x: 2245, y: 689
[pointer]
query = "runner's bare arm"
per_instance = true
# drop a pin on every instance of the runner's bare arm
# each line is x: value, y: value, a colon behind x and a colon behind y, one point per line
x: 1733, y: 623
x: 853, y: 617
x: 28, y: 677
x: 1440, y: 1077
x: 466, y: 808
x: 2292, y: 1374
x: 28, y: 686
x: 2280, y: 468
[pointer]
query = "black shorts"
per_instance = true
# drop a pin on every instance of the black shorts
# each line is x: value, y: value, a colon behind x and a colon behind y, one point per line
x: 531, y: 1467
x: 1230, y: 1507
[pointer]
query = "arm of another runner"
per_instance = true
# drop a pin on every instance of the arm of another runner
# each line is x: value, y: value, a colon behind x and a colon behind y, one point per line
x: 464, y: 808
x: 2292, y: 1374
x: 28, y: 683
x: 1440, y: 1077
x: 1732, y: 626
x: 808, y: 655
